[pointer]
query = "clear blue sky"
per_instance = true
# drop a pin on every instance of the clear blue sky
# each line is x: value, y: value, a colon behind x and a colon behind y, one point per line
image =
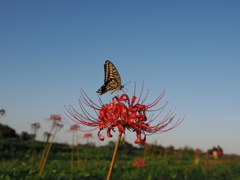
x: 51, y: 49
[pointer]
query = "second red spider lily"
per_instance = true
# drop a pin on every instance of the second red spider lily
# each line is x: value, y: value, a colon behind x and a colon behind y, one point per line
x: 57, y: 127
x: 87, y: 136
x: 55, y: 118
x: 138, y: 162
x: 74, y: 129
x: 35, y: 127
x: 2, y: 112
x: 123, y: 113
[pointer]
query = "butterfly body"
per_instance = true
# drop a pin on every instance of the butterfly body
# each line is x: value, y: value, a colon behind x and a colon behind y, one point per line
x: 112, y: 79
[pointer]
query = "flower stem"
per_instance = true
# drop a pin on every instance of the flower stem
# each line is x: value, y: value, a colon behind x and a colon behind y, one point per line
x: 72, y: 155
x: 114, y: 156
x: 44, y: 151
x: 98, y: 154
x: 86, y: 155
x: 47, y: 152
x: 33, y: 156
x: 78, y: 157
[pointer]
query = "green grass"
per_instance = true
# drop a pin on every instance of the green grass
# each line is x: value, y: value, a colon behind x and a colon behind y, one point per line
x: 16, y: 161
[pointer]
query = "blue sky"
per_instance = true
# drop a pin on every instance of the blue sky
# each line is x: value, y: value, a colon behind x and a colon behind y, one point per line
x: 49, y: 50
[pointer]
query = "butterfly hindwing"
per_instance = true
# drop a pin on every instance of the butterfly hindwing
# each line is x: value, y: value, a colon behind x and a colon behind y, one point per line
x: 112, y: 79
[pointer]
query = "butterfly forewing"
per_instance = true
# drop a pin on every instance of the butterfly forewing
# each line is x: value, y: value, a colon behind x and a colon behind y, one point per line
x: 106, y: 71
x: 112, y: 79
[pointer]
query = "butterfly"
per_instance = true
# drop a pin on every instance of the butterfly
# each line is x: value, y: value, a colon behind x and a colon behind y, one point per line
x: 112, y: 80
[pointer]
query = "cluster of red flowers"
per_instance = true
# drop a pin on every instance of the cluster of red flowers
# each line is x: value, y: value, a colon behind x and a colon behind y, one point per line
x: 2, y: 111
x: 87, y: 135
x: 35, y: 126
x: 122, y: 113
x: 55, y: 118
x: 74, y: 127
x: 138, y: 162
x: 47, y: 135
x: 197, y: 152
x: 55, y: 124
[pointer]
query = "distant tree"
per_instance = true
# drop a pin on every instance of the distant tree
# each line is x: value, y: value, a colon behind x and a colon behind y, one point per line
x: 7, y: 132
x: 141, y: 145
x: 25, y: 136
x: 210, y: 151
x: 111, y: 143
x: 91, y: 144
x: 186, y: 150
x: 127, y: 148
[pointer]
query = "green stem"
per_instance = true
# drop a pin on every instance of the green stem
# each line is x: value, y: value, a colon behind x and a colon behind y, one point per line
x: 33, y: 156
x: 43, y: 155
x: 78, y: 151
x: 72, y: 150
x: 48, y: 150
x: 44, y: 151
x: 86, y: 155
x: 114, y: 156
x: 98, y: 154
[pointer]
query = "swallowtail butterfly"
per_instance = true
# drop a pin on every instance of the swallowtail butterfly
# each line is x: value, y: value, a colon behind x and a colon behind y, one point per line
x: 112, y: 79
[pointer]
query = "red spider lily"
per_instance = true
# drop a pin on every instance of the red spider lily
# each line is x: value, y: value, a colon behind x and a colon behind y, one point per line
x: 87, y: 135
x: 138, y: 162
x: 35, y: 127
x: 55, y: 118
x: 2, y: 111
x: 197, y: 152
x: 47, y: 135
x: 122, y: 113
x: 74, y: 127
x: 57, y: 125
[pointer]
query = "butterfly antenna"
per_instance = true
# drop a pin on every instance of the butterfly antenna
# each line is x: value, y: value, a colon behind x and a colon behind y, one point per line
x: 125, y: 88
x: 126, y: 83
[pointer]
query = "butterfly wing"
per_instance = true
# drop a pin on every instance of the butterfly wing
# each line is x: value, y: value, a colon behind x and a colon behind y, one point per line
x: 112, y: 79
x: 107, y: 72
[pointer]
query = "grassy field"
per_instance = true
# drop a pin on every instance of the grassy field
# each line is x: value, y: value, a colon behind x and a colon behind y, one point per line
x: 156, y: 163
